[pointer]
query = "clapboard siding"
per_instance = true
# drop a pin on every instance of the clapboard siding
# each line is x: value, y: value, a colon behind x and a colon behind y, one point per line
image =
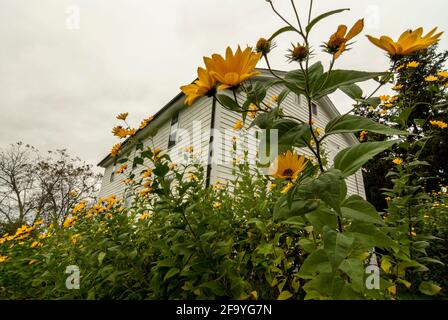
x: 222, y: 163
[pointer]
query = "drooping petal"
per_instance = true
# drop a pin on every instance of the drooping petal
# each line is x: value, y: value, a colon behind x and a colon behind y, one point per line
x: 355, y: 30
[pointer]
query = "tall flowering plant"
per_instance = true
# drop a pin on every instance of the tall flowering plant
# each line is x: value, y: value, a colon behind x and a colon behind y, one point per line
x: 344, y: 230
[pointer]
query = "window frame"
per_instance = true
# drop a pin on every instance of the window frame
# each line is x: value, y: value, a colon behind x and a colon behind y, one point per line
x: 174, y: 127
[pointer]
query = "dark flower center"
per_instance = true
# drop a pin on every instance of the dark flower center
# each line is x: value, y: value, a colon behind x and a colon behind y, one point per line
x: 288, y: 172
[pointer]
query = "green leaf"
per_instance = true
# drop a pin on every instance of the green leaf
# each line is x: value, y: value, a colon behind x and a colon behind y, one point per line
x: 357, y: 208
x: 337, y: 246
x: 355, y: 269
x: 317, y: 262
x: 171, y: 273
x: 330, y: 187
x: 280, y: 31
x: 228, y: 102
x: 295, y: 80
x: 283, y: 95
x: 284, y: 295
x: 322, y: 217
x: 352, y: 90
x: 215, y: 287
x: 297, y: 208
x: 429, y: 288
x: 101, y: 257
x: 322, y: 16
x: 351, y: 159
x: 333, y: 80
x: 351, y: 123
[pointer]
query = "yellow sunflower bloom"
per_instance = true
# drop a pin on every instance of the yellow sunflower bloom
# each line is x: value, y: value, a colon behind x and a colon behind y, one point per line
x: 443, y: 74
x: 431, y: 78
x: 287, y: 187
x: 203, y: 86
x: 397, y: 161
x: 288, y: 166
x: 409, y: 42
x: 122, y: 168
x: 3, y: 258
x: 115, y: 150
x: 234, y: 68
x: 413, y: 64
x: 338, y: 41
x: 238, y: 125
x: 438, y: 123
x: 122, y: 116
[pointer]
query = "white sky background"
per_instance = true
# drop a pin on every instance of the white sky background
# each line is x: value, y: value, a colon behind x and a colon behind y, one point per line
x: 61, y: 88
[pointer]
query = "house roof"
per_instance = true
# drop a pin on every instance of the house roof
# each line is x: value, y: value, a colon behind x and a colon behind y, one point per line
x: 264, y: 74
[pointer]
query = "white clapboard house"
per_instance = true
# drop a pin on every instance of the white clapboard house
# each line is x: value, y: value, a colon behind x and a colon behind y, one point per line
x: 179, y: 126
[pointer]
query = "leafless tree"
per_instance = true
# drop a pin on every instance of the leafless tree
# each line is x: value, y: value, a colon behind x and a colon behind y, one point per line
x: 33, y: 186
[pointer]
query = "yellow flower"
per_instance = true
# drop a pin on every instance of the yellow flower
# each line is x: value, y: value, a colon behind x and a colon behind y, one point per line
x: 288, y: 166
x: 80, y: 206
x: 253, y: 112
x: 413, y: 233
x: 317, y: 131
x: 120, y: 132
x: 74, y: 238
x: 122, y: 168
x: 188, y: 149
x: 443, y: 74
x: 128, y: 181
x: 388, y: 198
x: 122, y: 116
x: 38, y: 222
x: 397, y: 87
x: 431, y: 78
x: 172, y: 166
x: 397, y: 161
x: 147, y: 183
x: 203, y: 86
x: 238, y: 125
x: 287, y: 187
x: 388, y: 105
x: 144, y: 216
x: 409, y: 42
x: 338, y: 40
x: 3, y: 258
x: 115, y: 150
x: 384, y: 98
x: 156, y: 152
x: 401, y: 66
x: 393, y: 99
x: 392, y: 290
x: 145, y: 122
x: 216, y: 205
x: 147, y: 173
x: 35, y: 244
x: 272, y: 186
x: 69, y: 222
x: 362, y: 136
x: 192, y: 177
x: 438, y: 123
x: 235, y: 68
x: 109, y: 216
x: 413, y: 64
x: 145, y: 192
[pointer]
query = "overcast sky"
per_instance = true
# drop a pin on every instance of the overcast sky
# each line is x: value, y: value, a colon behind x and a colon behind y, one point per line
x: 61, y: 86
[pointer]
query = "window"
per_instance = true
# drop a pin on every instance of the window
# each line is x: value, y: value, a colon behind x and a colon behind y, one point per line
x: 112, y: 174
x: 314, y: 108
x: 173, y: 130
